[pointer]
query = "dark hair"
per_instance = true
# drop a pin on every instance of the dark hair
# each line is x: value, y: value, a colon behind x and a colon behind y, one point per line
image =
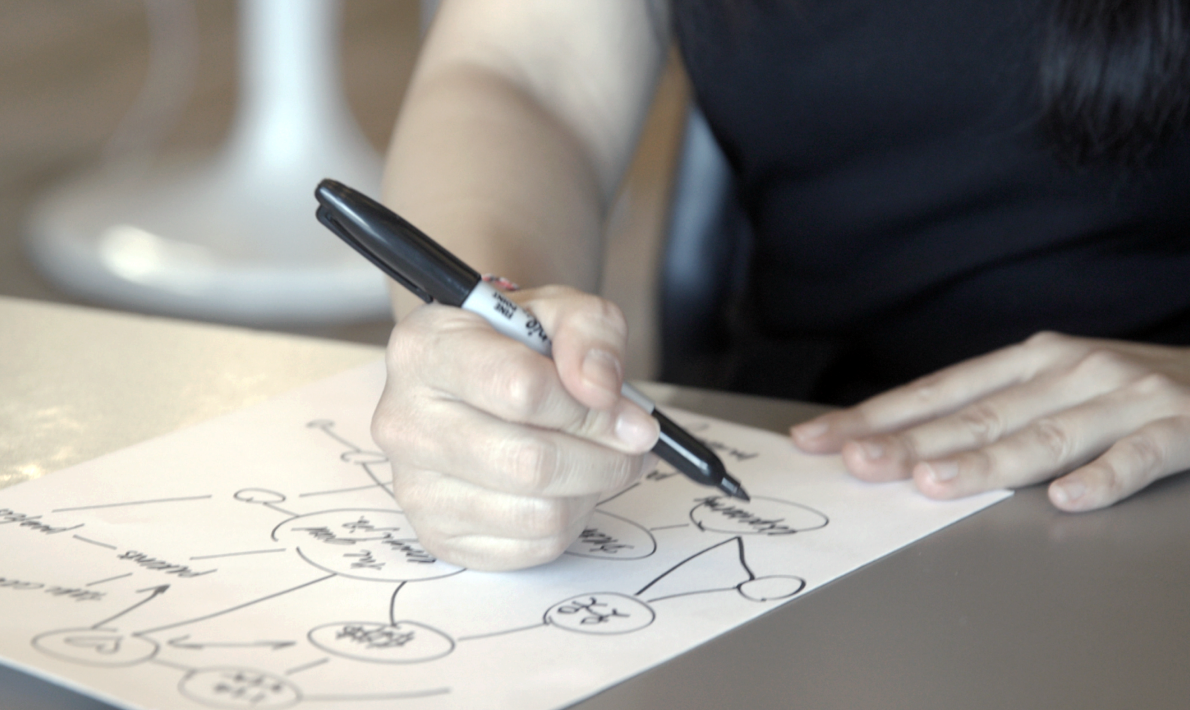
x: 1114, y: 78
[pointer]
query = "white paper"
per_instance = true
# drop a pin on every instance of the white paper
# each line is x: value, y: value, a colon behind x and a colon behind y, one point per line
x: 258, y: 560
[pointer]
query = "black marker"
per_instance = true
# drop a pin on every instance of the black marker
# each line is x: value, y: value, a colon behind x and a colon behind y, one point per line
x: 431, y: 272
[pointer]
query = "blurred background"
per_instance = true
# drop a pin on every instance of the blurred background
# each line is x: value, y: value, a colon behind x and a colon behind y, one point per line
x: 72, y: 70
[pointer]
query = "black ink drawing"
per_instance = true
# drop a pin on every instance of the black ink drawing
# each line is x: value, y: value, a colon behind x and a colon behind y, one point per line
x: 376, y: 547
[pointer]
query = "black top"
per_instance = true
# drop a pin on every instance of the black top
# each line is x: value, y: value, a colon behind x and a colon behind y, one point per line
x: 906, y: 212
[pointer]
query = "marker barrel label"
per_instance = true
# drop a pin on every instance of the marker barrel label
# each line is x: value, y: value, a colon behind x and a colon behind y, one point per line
x: 507, y: 317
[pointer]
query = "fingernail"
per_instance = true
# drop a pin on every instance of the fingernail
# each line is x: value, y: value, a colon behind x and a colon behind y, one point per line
x: 1068, y: 491
x: 810, y: 430
x: 872, y: 449
x: 602, y: 369
x: 636, y: 429
x: 942, y: 470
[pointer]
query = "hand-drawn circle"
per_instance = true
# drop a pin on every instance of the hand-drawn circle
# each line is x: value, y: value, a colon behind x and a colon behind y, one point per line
x: 610, y: 537
x: 96, y: 647
x: 233, y: 687
x: 402, y: 642
x: 761, y: 516
x: 772, y: 588
x: 375, y: 545
x: 363, y: 458
x: 259, y: 495
x: 603, y: 613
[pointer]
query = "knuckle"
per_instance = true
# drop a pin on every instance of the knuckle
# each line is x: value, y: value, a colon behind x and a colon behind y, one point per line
x: 1155, y: 383
x: 392, y: 433
x: 610, y: 315
x: 530, y: 463
x: 1053, y: 438
x: 1101, y: 362
x: 545, y: 550
x: 523, y: 391
x: 623, y: 471
x: 983, y: 421
x: 414, y: 498
x: 1144, y: 454
x: 1109, y: 480
x: 548, y: 519
x: 926, y: 390
x: 598, y: 315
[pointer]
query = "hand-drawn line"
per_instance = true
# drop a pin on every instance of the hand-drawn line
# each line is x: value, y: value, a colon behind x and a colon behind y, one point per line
x: 307, y: 666
x: 356, y: 455
x: 670, y: 527
x: 279, y: 509
x: 617, y: 495
x: 95, y: 542
x: 327, y: 426
x: 386, y: 487
x: 180, y: 642
x: 156, y: 592
x: 344, y: 490
x: 109, y: 579
x: 378, y: 696
x: 392, y: 604
x: 212, y: 615
x: 237, y: 554
x: 760, y: 589
x: 539, y: 625
x: 134, y: 502
x: 736, y: 539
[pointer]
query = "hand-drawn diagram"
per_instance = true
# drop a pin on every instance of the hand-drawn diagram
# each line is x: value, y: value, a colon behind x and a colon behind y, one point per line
x: 268, y: 590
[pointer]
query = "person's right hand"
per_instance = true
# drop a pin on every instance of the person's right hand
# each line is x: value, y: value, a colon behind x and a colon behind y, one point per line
x: 499, y: 454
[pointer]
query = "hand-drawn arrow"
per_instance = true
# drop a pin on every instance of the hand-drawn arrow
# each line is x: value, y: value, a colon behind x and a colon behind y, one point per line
x: 156, y: 591
x: 179, y: 642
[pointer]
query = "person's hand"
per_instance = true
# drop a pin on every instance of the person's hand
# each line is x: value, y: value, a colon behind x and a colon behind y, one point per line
x: 1112, y: 416
x: 499, y: 454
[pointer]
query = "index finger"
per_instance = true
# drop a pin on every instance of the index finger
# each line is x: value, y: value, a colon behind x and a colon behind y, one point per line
x: 458, y: 356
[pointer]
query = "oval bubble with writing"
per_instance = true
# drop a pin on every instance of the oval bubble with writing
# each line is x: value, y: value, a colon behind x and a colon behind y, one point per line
x: 768, y: 589
x: 402, y: 642
x: 96, y: 647
x: 761, y: 516
x: 610, y: 537
x: 600, y: 613
x: 232, y: 687
x: 376, y: 545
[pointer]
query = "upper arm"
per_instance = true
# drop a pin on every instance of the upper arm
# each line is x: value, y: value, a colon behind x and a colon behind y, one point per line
x: 590, y: 64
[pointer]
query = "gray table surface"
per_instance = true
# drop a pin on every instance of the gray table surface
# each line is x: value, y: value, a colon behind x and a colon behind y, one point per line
x: 1018, y: 606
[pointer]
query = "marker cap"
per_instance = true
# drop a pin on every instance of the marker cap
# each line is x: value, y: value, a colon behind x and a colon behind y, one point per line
x: 398, y: 248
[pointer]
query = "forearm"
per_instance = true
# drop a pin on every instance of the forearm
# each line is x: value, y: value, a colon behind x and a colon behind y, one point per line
x: 480, y: 167
x: 515, y: 131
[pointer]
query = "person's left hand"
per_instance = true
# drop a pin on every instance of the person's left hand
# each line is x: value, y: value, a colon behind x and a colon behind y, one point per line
x: 1111, y: 416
